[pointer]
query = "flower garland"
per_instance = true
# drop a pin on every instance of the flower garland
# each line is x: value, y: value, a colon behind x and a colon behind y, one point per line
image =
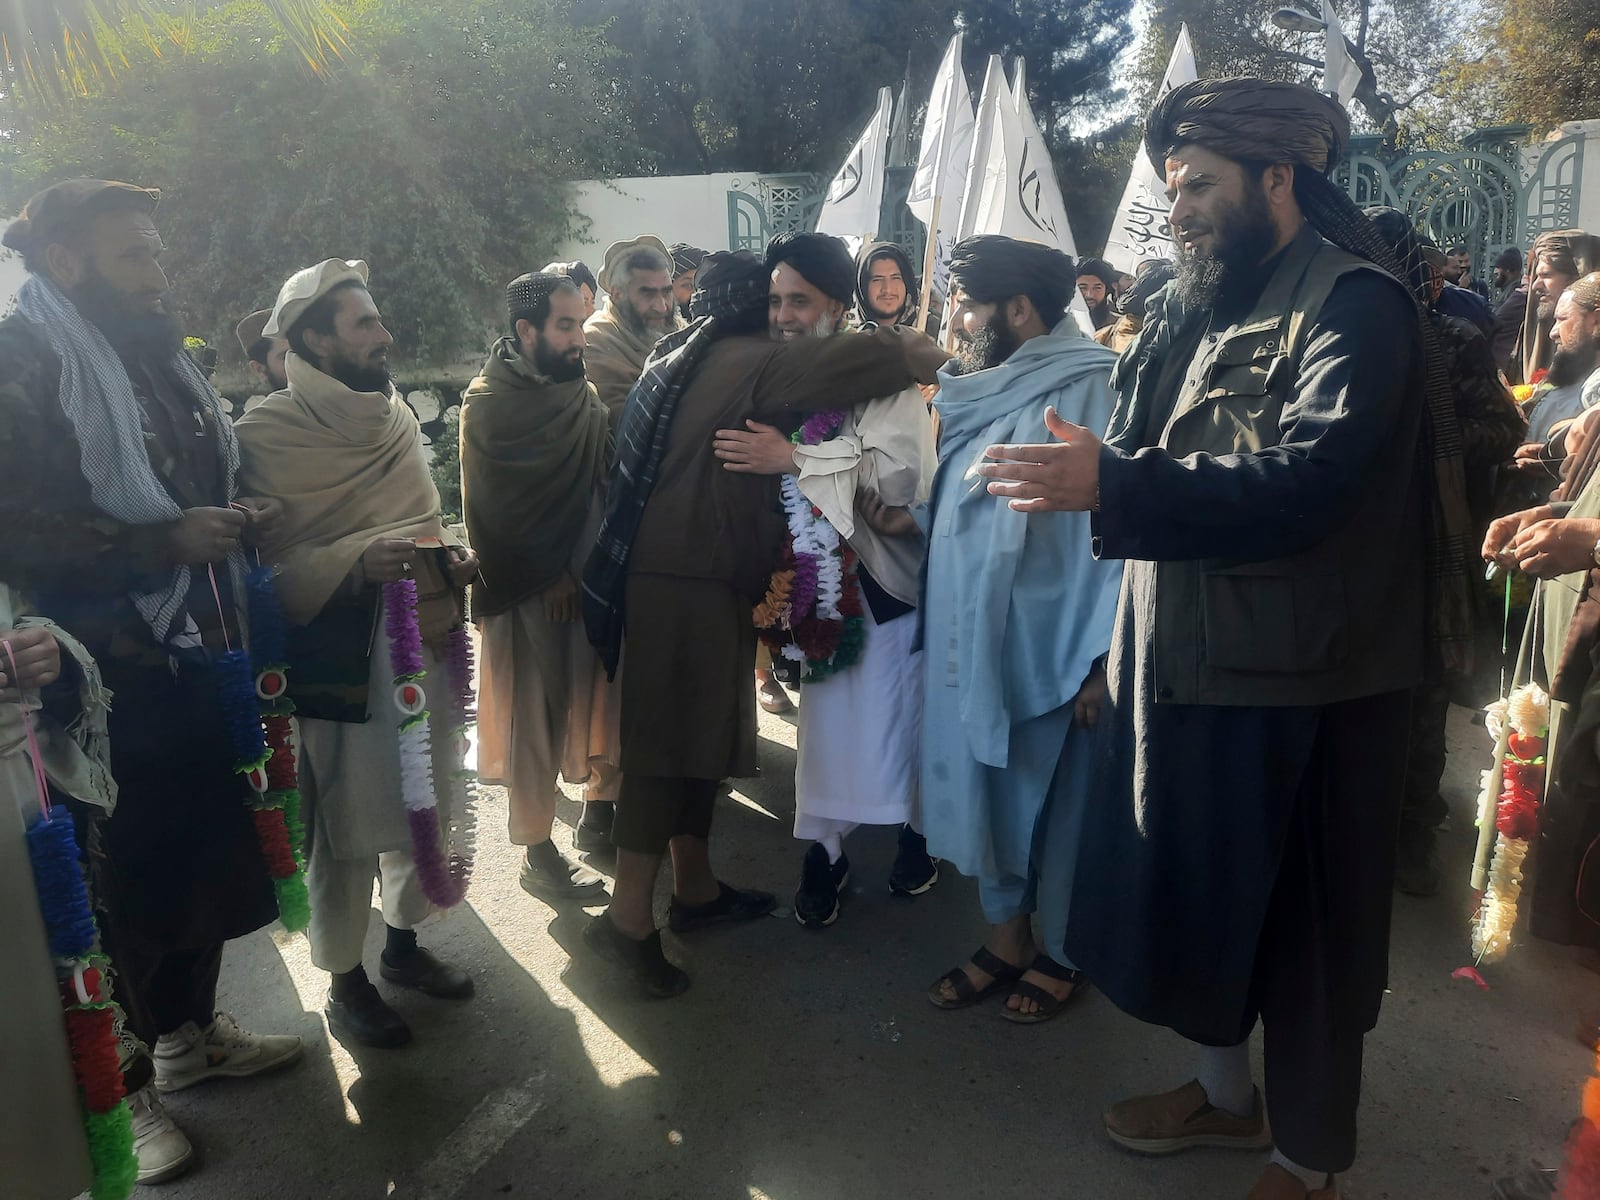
x: 1526, y: 721
x: 88, y: 1012
x: 463, y: 840
x: 812, y: 614
x: 442, y: 870
x: 256, y: 709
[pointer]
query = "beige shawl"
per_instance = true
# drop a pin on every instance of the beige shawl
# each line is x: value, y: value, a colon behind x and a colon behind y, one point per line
x: 349, y: 469
x: 614, y: 357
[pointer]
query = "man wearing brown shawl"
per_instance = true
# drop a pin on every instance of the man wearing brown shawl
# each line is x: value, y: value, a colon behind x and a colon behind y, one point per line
x: 1558, y: 259
x: 637, y: 280
x: 1283, y: 432
x: 343, y: 454
x: 535, y: 443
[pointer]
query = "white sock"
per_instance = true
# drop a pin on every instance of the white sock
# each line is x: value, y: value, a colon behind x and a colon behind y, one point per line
x: 833, y: 843
x: 1312, y: 1179
x: 1225, y: 1075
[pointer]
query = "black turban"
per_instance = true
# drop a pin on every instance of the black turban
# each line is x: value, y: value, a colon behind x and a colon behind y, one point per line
x: 823, y: 260
x: 1101, y: 270
x: 732, y: 287
x: 991, y: 268
x: 1255, y: 120
x: 528, y: 293
x: 685, y: 258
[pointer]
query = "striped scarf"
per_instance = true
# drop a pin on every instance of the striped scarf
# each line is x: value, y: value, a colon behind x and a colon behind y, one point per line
x: 98, y: 399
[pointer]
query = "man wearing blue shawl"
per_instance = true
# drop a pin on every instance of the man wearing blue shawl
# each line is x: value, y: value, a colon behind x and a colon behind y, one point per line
x: 1016, y: 612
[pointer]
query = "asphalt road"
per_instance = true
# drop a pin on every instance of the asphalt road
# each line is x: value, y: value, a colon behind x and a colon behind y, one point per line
x: 808, y: 1066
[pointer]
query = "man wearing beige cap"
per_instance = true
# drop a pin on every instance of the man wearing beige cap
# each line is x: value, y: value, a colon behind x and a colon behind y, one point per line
x: 121, y: 513
x: 264, y: 353
x: 343, y: 454
x: 637, y: 279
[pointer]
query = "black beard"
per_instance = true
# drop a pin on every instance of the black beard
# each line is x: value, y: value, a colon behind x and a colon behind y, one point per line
x: 1573, y: 364
x: 146, y: 335
x: 989, y: 347
x: 558, y: 368
x: 1100, y: 314
x: 358, y: 378
x: 1244, y: 237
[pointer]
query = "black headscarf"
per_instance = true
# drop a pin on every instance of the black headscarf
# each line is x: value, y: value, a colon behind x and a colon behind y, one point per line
x: 870, y: 253
x: 992, y: 268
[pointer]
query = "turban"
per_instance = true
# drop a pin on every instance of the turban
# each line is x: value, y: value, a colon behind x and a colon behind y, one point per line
x: 823, y: 260
x: 304, y: 288
x: 1101, y: 270
x: 62, y: 207
x: 685, y: 258
x: 1246, y: 119
x: 526, y: 293
x: 732, y: 287
x: 992, y: 268
x: 250, y: 330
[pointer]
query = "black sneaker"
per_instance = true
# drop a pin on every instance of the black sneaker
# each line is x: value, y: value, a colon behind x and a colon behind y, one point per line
x: 914, y: 870
x: 593, y: 833
x: 816, y: 902
x: 365, y: 1017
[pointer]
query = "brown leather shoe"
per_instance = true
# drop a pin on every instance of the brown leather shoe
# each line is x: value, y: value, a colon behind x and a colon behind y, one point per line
x: 1277, y: 1184
x: 1183, y: 1119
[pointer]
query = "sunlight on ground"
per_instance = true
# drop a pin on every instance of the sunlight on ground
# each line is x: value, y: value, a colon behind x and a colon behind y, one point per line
x: 739, y: 797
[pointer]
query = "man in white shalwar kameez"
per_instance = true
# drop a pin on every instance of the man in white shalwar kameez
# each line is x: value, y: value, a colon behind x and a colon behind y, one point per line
x: 859, y: 742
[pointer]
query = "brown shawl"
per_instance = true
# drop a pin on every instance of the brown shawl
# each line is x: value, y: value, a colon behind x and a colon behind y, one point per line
x: 350, y: 470
x: 532, y: 453
x: 1582, y: 254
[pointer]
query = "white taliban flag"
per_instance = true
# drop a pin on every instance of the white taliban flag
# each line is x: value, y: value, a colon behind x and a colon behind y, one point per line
x: 1340, y: 78
x: 1140, y: 232
x: 942, y: 159
x: 850, y: 209
x: 1011, y: 183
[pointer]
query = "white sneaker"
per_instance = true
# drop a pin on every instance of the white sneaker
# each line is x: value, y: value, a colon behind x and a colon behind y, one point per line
x: 192, y: 1055
x: 160, y: 1146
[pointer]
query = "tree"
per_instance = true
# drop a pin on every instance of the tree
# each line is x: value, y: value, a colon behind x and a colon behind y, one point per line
x: 438, y: 154
x: 1540, y: 64
x: 1401, y: 46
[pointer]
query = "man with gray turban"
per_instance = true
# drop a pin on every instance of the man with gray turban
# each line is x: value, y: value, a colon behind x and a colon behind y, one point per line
x: 683, y: 556
x: 1283, y: 429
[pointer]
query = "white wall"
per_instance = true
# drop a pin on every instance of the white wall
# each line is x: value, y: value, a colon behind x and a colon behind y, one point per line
x: 676, y: 208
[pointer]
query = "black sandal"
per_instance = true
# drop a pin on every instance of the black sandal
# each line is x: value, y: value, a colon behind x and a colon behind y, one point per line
x: 1050, y: 1006
x: 652, y: 972
x: 1002, y: 975
x: 731, y: 904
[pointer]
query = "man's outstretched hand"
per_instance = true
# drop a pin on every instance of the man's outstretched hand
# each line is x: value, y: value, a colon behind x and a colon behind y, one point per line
x: 1058, y: 476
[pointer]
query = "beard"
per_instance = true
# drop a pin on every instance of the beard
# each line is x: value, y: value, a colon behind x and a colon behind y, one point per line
x: 656, y: 328
x: 1243, y: 236
x: 558, y: 368
x: 360, y: 377
x: 1573, y: 364
x: 824, y: 326
x: 132, y: 332
x: 989, y: 347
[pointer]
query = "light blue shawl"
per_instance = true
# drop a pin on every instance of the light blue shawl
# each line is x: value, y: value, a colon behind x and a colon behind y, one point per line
x: 1028, y: 608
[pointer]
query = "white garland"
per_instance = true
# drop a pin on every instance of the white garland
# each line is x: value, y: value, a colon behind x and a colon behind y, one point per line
x: 815, y: 537
x: 1527, y: 712
x: 416, y: 768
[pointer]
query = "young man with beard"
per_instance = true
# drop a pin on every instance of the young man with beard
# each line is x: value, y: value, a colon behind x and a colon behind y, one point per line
x: 1016, y: 614
x: 343, y: 454
x: 637, y: 279
x: 1263, y: 483
x: 684, y: 555
x: 119, y: 465
x: 535, y: 446
x: 886, y: 285
x: 265, y: 354
x: 857, y: 761
x: 1097, y: 284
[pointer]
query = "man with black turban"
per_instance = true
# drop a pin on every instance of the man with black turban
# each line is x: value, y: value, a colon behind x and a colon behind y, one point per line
x: 1097, y: 284
x: 1284, y: 429
x: 683, y: 556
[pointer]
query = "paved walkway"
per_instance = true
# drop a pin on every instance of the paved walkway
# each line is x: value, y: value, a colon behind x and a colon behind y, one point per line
x: 808, y: 1066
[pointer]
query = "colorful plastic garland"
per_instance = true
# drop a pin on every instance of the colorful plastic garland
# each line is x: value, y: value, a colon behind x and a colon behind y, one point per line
x: 1516, y: 819
x: 87, y: 1009
x: 442, y: 869
x: 812, y: 614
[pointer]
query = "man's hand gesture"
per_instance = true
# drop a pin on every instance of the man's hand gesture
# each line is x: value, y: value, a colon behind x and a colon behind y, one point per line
x: 1059, y: 476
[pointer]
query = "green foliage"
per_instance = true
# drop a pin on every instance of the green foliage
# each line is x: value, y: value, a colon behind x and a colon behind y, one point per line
x: 437, y: 154
x: 446, y: 466
x: 1540, y: 64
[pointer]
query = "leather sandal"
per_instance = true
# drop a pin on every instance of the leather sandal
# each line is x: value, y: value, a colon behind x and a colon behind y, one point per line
x: 1002, y: 975
x: 1050, y: 1006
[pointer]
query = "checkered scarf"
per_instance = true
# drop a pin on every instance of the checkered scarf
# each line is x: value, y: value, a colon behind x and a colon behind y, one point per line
x: 733, y: 286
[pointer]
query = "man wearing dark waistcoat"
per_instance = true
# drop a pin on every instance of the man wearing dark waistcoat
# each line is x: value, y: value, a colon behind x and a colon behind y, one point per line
x: 1264, y: 477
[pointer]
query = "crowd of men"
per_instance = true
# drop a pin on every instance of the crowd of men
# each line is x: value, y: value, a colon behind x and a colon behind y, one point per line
x: 1102, y: 620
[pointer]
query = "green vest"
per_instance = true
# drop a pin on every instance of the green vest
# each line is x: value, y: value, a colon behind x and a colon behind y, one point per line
x: 1340, y: 620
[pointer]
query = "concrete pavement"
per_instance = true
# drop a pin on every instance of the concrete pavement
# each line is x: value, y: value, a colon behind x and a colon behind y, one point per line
x: 808, y: 1066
